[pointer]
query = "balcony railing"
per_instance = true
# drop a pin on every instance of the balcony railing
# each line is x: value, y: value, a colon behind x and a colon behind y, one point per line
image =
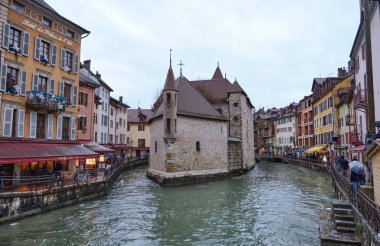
x: 350, y: 120
x: 360, y: 99
x: 355, y: 138
x: 45, y: 100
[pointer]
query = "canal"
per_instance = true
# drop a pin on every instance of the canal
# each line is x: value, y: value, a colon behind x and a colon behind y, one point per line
x: 274, y: 204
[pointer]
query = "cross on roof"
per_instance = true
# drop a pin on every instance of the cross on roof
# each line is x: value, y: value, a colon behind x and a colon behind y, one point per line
x: 180, y: 64
x: 170, y: 57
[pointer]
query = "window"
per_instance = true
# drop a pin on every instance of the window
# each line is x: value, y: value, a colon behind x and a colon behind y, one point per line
x: 155, y: 146
x: 116, y: 125
x: 95, y: 118
x: 70, y: 34
x: 18, y: 7
x: 67, y: 91
x: 69, y: 60
x: 96, y: 137
x: 111, y: 123
x: 111, y: 111
x: 141, y: 128
x: 111, y: 138
x: 128, y: 127
x: 82, y: 123
x: 42, y: 84
x: 14, y: 37
x: 83, y: 97
x: 198, y: 146
x: 141, y: 143
x: 12, y: 78
x: 44, y: 51
x: 168, y: 98
x: 168, y: 125
x: 46, y: 21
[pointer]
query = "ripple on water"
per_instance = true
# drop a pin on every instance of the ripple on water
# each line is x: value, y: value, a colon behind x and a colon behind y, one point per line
x: 275, y: 204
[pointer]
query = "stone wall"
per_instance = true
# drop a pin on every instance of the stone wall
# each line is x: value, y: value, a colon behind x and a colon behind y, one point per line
x: 156, y: 158
x: 235, y: 155
x: 18, y: 205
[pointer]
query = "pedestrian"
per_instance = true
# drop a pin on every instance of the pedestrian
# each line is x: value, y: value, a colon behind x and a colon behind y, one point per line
x: 2, y: 173
x: 344, y: 165
x: 356, y: 173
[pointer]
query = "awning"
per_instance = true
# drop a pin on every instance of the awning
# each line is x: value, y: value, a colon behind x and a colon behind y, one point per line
x: 20, y: 151
x: 315, y: 149
x: 96, y: 147
x: 357, y: 149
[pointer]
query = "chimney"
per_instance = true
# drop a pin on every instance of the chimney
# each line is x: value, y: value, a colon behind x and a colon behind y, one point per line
x: 120, y: 98
x: 98, y: 75
x: 342, y: 72
x: 87, y: 64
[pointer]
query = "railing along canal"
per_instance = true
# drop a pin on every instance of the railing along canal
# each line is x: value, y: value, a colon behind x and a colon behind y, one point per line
x: 366, y: 206
x: 47, y: 182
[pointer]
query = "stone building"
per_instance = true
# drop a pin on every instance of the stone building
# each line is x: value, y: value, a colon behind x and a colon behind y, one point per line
x: 202, y: 130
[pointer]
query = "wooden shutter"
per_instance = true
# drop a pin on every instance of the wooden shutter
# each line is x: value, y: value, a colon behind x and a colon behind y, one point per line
x: 3, y: 82
x: 23, y: 83
x: 33, y: 124
x: 6, y: 35
x: 76, y: 58
x: 59, y: 127
x: 25, y: 45
x: 20, y: 123
x: 63, y: 58
x: 52, y: 86
x: 50, y: 126
x: 7, y: 122
x: 35, y: 82
x: 75, y: 95
x: 85, y: 99
x: 37, y: 48
x: 54, y: 49
x: 61, y: 88
x: 72, y: 128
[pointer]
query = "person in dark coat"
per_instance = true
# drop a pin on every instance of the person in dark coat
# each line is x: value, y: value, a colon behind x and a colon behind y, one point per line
x: 2, y: 173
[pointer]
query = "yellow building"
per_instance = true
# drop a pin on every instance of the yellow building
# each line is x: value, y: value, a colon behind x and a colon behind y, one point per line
x: 39, y: 79
x: 138, y: 131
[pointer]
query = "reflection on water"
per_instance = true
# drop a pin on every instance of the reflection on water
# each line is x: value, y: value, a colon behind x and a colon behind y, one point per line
x: 275, y: 204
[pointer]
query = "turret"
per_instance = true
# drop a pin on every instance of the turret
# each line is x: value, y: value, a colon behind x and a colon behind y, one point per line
x: 169, y: 94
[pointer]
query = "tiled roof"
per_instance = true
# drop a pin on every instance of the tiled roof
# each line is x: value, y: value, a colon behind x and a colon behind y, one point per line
x: 169, y: 83
x: 236, y: 88
x: 191, y: 102
x: 217, y: 89
x: 133, y: 115
x: 217, y: 74
x: 117, y: 102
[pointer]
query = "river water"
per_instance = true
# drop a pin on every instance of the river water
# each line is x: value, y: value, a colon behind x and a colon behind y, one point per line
x: 274, y: 204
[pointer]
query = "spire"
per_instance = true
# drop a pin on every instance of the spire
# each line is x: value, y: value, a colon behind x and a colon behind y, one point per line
x: 218, y: 74
x: 180, y: 66
x: 235, y: 88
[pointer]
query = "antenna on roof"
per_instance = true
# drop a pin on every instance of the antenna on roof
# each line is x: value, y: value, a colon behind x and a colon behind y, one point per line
x: 180, y: 65
x: 225, y: 75
x: 218, y: 63
x: 138, y: 103
x: 320, y: 75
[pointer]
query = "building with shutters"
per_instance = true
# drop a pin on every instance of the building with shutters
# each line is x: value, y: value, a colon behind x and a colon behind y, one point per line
x: 285, y: 129
x: 138, y: 131
x: 39, y: 86
x: 119, y: 116
x: 202, y: 130
x: 305, y: 129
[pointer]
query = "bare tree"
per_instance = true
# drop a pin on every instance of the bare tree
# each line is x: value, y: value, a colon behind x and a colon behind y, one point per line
x: 157, y: 100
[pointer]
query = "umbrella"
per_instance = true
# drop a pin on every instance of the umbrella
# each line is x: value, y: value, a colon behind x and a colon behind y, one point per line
x: 357, y: 167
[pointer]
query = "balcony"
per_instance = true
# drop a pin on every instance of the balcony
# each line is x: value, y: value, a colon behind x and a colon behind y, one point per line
x: 360, y: 99
x: 41, y: 100
x: 355, y: 138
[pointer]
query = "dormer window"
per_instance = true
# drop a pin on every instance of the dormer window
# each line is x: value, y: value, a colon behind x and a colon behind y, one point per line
x: 46, y: 21
x: 70, y: 34
x: 168, y: 98
x: 18, y: 7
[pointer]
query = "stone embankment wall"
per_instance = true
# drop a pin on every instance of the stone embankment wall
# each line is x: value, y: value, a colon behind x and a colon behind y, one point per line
x: 18, y: 205
x: 235, y: 155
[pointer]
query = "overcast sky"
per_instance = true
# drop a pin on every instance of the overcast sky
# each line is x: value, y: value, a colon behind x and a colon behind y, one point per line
x: 273, y: 48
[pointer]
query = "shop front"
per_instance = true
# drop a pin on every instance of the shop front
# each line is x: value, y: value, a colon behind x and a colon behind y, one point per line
x: 96, y: 163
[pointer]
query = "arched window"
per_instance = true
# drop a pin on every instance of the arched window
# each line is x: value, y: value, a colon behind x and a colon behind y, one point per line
x: 198, y: 146
x: 155, y: 146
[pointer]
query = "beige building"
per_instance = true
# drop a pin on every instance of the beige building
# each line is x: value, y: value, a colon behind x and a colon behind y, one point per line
x: 138, y: 131
x: 202, y: 130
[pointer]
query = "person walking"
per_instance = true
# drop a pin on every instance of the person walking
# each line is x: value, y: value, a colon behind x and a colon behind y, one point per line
x: 356, y: 172
x: 343, y: 165
x: 2, y: 173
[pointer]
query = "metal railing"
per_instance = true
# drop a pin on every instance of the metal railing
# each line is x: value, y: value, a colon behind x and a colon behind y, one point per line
x: 366, y: 206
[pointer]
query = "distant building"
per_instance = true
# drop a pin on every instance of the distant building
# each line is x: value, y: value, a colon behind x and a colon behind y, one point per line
x: 138, y: 134
x: 201, y: 131
x: 305, y: 128
x: 285, y: 128
x: 265, y: 130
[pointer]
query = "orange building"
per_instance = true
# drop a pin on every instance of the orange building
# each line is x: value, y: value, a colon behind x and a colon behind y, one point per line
x: 39, y: 84
x: 305, y: 129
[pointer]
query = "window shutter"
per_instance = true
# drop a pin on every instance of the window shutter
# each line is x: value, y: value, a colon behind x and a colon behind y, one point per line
x: 37, y: 48
x: 72, y: 128
x: 59, y: 127
x: 6, y: 36
x: 35, y: 82
x: 33, y: 125
x: 54, y: 49
x: 76, y: 58
x: 23, y: 83
x: 75, y: 96
x: 61, y: 88
x: 63, y: 58
x: 3, y: 82
x: 52, y: 86
x: 25, y: 44
x: 21, y: 120
x: 85, y: 99
x: 7, y: 122
x: 50, y: 126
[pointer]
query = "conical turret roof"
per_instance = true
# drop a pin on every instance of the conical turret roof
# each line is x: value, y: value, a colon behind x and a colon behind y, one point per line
x: 170, y: 81
x: 218, y: 74
x: 236, y: 88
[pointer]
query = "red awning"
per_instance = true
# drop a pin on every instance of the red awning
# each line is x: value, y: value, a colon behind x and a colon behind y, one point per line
x: 96, y: 147
x: 139, y: 148
x: 16, y: 152
x: 357, y: 149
